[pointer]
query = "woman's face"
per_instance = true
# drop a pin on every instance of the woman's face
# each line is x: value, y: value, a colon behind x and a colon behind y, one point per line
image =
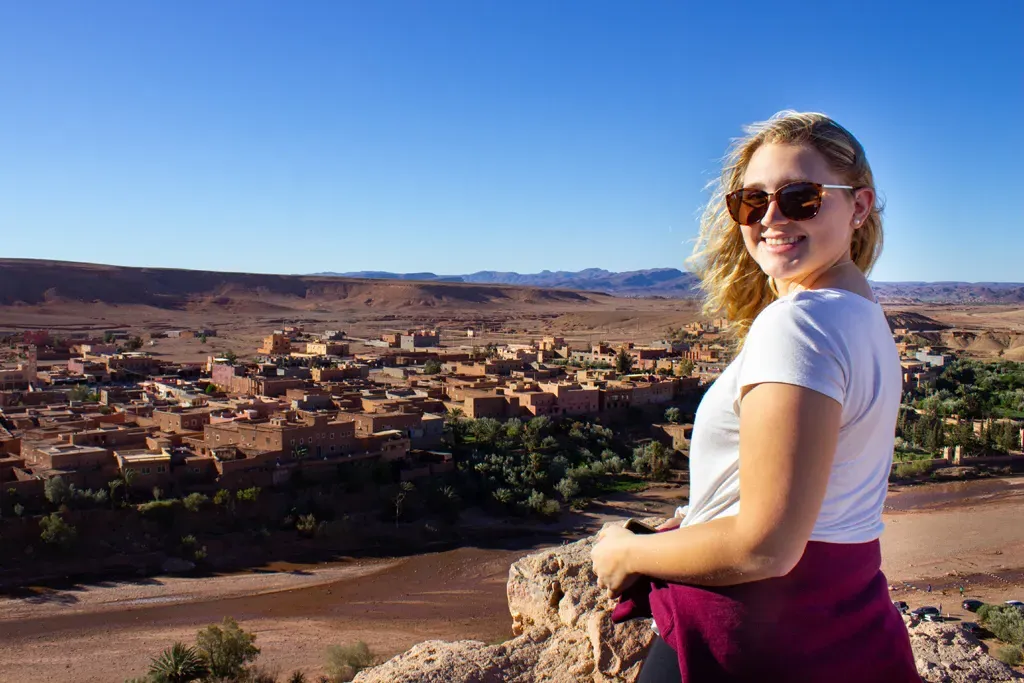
x: 821, y: 241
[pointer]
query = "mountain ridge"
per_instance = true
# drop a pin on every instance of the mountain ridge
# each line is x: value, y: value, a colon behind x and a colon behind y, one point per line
x: 675, y: 283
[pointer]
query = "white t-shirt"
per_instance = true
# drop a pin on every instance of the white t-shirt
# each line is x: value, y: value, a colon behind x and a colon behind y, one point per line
x: 839, y: 344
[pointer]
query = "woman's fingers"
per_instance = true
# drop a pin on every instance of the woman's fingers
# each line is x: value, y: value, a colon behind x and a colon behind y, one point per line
x: 670, y: 524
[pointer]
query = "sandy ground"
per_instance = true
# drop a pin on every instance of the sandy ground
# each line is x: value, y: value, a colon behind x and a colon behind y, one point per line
x: 108, y: 631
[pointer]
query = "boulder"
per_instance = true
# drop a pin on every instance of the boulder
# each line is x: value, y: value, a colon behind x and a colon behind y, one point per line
x: 945, y: 653
x: 563, y: 634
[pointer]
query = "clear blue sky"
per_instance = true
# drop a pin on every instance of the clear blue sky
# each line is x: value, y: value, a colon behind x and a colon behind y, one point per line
x: 456, y: 136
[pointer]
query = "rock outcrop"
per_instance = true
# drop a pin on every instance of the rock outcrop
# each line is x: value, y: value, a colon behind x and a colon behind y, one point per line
x: 563, y: 634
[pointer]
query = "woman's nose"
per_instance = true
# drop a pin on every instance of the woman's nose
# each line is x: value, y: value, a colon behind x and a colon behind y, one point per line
x: 772, y: 215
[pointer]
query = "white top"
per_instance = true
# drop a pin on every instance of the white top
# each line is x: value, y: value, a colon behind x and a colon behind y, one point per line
x: 839, y: 344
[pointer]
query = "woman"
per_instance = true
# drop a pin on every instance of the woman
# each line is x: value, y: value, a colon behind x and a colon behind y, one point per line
x: 788, y: 585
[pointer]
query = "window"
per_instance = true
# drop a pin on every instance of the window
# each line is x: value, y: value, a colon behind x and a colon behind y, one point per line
x: 332, y: 448
x: 160, y: 469
x: 292, y: 442
x: 332, y: 435
x: 145, y: 470
x: 302, y: 440
x: 194, y: 470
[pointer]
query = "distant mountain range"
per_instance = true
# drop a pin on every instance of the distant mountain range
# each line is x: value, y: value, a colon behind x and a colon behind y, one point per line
x: 666, y: 282
x: 674, y: 283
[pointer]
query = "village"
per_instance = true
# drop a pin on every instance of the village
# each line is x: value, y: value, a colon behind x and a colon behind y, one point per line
x: 315, y: 404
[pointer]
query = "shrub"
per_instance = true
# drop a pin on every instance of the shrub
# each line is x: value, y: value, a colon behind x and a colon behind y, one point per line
x: 56, y: 491
x: 909, y: 470
x: 568, y: 488
x: 431, y: 367
x: 297, y: 677
x: 222, y: 497
x: 1005, y: 622
x: 1010, y: 655
x: 56, y: 531
x: 345, y: 661
x: 226, y: 648
x: 194, y: 501
x: 673, y: 415
x: 249, y: 495
x: 19, y: 509
x: 178, y: 664
x: 306, y: 524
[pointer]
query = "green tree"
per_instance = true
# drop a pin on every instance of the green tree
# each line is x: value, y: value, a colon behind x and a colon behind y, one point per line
x: 623, y: 362
x: 108, y: 337
x: 230, y: 356
x: 55, y: 531
x: 202, y: 339
x: 178, y: 664
x: 226, y: 649
x: 56, y: 491
x: 194, y: 501
x: 684, y: 368
x: 222, y: 497
x: 79, y: 392
x: 128, y: 475
x: 133, y: 344
x: 431, y: 367
x: 673, y: 415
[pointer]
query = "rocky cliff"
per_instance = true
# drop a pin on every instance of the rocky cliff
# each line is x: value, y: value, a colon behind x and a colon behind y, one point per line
x: 563, y: 634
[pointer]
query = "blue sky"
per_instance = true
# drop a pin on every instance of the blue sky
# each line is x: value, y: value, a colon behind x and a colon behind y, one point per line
x: 456, y: 136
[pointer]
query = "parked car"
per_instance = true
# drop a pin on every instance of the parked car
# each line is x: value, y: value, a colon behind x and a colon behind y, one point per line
x: 922, y: 611
x: 901, y: 606
x: 933, y: 617
x: 1015, y: 603
x: 971, y: 627
x: 972, y: 605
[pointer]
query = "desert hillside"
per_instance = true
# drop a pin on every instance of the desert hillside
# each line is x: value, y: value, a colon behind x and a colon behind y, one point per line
x: 35, y: 282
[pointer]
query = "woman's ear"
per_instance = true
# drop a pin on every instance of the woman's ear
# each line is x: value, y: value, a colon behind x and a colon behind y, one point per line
x: 863, y: 202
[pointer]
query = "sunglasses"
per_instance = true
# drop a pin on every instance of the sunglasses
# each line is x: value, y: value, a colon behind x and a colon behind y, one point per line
x: 799, y: 201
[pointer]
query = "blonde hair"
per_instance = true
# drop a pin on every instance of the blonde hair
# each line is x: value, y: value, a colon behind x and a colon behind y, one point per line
x: 734, y: 285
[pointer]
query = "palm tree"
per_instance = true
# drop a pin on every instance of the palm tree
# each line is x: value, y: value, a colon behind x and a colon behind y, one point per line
x: 128, y: 475
x: 178, y: 664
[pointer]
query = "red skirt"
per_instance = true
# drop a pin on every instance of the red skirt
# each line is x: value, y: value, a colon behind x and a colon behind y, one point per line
x: 829, y: 620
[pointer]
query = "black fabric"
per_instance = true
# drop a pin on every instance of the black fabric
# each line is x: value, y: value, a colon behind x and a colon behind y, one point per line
x: 661, y: 664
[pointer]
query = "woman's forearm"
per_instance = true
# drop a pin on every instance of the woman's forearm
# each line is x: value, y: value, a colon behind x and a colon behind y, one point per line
x: 714, y: 553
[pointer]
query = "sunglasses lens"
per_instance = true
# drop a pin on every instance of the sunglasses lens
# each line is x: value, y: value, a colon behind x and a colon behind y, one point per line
x: 747, y: 206
x: 799, y: 201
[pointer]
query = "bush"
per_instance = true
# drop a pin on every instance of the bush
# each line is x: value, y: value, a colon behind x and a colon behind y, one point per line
x: 1004, y: 621
x: 673, y: 415
x: 222, y: 497
x: 56, y: 491
x: 226, y: 648
x: 194, y: 501
x: 1009, y: 655
x: 345, y: 661
x: 306, y: 524
x: 909, y: 470
x: 431, y: 367
x: 178, y: 664
x: 249, y: 495
x: 297, y: 677
x: 54, y: 530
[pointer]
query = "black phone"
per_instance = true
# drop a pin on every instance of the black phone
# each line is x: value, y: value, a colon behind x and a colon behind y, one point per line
x: 638, y: 527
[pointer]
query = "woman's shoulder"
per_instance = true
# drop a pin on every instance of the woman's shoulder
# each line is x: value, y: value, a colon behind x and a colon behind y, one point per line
x: 818, y: 312
x: 822, y: 305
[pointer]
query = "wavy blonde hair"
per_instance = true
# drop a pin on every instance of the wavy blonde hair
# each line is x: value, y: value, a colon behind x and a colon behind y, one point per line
x: 734, y: 285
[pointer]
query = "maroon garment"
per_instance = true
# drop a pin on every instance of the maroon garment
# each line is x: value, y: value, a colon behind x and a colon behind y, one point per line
x: 830, y: 620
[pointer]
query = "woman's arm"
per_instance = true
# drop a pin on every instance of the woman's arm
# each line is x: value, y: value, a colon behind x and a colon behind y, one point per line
x: 788, y: 438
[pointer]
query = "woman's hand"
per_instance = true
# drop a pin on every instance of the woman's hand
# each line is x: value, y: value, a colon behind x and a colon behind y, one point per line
x: 609, y: 557
x: 672, y: 523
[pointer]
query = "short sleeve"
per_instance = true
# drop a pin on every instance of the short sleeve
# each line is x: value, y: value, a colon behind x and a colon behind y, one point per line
x: 790, y: 343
